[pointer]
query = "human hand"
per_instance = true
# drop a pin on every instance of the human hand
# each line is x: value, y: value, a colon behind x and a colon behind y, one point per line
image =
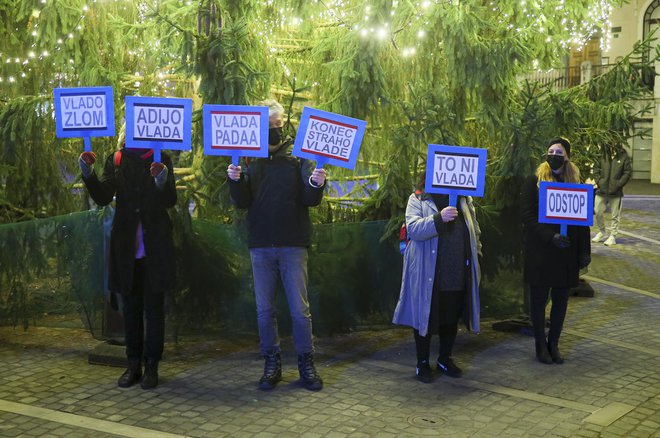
x: 85, y: 162
x: 234, y: 172
x: 448, y: 214
x: 318, y: 177
x: 159, y: 171
x: 88, y: 157
x: 561, y: 241
x: 156, y: 168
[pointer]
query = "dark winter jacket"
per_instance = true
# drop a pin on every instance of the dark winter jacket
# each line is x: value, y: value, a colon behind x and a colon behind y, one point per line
x: 277, y: 193
x: 612, y: 174
x: 545, y: 264
x: 137, y: 200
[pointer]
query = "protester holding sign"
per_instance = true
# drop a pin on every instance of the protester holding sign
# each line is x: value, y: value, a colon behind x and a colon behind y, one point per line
x: 277, y: 191
x: 440, y: 275
x: 141, y: 250
x: 552, y: 260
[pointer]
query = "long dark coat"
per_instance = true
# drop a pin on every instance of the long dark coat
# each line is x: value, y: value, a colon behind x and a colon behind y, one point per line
x: 545, y: 264
x: 137, y: 200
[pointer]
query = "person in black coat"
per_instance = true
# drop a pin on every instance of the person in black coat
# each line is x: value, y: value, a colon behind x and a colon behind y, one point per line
x: 552, y: 261
x: 141, y: 249
x: 277, y: 192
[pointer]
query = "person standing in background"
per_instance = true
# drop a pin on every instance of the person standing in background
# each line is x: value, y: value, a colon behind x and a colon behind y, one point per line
x: 611, y: 174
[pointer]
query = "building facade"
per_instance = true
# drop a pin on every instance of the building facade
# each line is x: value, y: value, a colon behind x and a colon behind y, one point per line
x: 632, y: 23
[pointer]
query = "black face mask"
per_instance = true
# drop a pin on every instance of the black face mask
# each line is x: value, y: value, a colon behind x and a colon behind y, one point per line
x: 555, y: 161
x: 275, y: 136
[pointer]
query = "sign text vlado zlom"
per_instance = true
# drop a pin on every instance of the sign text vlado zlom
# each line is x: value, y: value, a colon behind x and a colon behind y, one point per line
x: 84, y: 112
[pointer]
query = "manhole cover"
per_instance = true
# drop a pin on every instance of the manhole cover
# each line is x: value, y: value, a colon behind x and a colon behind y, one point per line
x: 427, y: 421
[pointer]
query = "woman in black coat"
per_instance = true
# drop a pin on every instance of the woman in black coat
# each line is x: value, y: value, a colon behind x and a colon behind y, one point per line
x: 141, y: 249
x: 552, y: 261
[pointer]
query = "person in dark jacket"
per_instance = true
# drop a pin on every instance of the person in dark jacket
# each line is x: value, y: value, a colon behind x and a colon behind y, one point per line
x: 141, y: 250
x: 278, y: 191
x: 611, y: 174
x: 552, y: 260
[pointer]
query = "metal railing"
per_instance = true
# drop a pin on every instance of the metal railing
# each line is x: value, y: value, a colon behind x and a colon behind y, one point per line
x: 563, y: 78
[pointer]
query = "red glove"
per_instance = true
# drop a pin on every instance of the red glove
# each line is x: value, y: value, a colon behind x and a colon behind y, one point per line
x: 88, y: 157
x: 156, y: 169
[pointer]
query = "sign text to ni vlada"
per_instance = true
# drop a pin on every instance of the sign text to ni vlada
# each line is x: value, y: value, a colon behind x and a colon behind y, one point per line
x: 456, y: 170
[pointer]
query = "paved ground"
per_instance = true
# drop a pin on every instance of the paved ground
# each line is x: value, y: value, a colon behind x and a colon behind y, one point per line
x: 608, y: 387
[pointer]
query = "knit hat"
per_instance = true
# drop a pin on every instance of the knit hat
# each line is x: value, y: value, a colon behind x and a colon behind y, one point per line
x: 562, y: 141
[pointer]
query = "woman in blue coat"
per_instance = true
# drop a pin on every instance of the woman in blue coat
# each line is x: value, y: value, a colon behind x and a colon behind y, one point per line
x: 440, y: 276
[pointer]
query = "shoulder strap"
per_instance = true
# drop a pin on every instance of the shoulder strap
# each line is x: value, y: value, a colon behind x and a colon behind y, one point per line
x: 117, y: 158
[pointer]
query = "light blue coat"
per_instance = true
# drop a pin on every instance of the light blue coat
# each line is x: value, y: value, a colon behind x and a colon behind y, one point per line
x: 419, y: 261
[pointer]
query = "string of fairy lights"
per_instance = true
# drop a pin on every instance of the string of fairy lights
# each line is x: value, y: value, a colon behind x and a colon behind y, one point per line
x: 360, y: 17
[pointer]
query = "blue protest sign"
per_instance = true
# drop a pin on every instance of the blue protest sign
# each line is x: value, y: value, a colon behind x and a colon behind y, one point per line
x: 84, y: 112
x: 329, y: 138
x: 158, y: 123
x: 566, y: 204
x: 456, y: 170
x: 235, y: 130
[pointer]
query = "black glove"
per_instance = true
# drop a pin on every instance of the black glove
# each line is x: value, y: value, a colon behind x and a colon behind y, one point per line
x: 584, y: 260
x: 561, y: 241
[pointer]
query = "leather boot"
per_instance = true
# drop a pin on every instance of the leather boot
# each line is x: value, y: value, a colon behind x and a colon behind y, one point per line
x: 272, y: 371
x: 308, y: 375
x: 556, y: 356
x: 132, y: 374
x: 542, y: 353
x: 150, y: 379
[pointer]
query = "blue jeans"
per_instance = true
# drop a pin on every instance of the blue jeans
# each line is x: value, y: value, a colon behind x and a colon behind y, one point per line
x: 290, y: 264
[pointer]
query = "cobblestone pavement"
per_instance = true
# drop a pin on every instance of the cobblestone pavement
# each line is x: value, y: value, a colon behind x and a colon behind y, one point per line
x: 609, y: 385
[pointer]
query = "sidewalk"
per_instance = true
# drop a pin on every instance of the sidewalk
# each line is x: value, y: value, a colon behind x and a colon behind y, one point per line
x: 609, y: 385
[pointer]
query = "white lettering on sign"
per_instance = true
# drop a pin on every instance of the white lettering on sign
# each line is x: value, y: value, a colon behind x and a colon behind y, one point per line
x: 566, y: 204
x: 81, y: 112
x: 234, y: 130
x: 158, y: 123
x: 329, y: 138
x: 455, y: 171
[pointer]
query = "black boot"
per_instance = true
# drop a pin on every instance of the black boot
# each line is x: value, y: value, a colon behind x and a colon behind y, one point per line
x: 150, y: 379
x: 272, y: 371
x: 553, y: 347
x: 132, y: 374
x: 542, y: 353
x: 308, y: 374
